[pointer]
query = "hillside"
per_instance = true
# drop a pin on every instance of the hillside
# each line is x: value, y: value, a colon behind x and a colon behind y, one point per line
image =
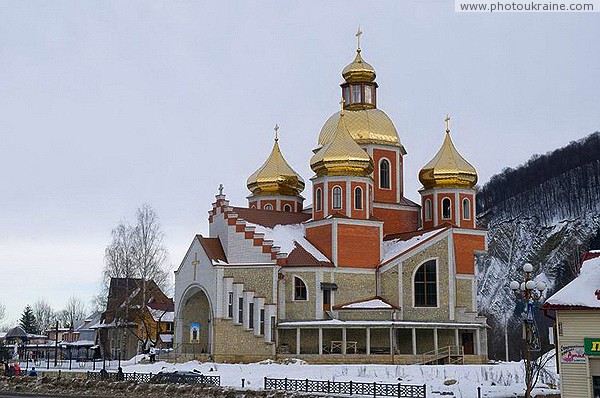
x: 546, y: 212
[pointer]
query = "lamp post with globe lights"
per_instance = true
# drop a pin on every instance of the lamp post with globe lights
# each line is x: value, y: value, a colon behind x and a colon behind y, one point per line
x: 531, y: 293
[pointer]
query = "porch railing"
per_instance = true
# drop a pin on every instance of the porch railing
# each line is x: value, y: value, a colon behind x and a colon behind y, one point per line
x: 454, y: 353
x: 347, y: 388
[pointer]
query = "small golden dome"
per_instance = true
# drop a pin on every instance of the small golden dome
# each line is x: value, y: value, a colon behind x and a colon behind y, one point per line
x: 359, y: 71
x: 275, y: 177
x: 341, y: 156
x: 448, y: 169
x: 366, y: 126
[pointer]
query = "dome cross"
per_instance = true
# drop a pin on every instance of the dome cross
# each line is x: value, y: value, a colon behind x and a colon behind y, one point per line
x: 358, y: 34
x: 447, y: 119
x: 276, y: 128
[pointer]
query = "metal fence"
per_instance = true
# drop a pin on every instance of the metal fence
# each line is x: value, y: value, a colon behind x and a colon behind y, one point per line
x: 347, y: 388
x: 159, y: 378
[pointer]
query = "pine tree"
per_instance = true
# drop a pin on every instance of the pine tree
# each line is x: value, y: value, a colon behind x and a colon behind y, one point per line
x: 27, y: 321
x: 595, y: 242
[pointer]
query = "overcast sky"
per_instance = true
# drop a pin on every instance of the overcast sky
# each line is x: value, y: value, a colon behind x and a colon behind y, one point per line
x: 107, y: 105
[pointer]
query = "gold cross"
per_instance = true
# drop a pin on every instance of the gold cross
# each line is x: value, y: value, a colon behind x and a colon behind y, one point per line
x: 276, y: 131
x: 342, y: 104
x: 358, y: 33
x: 195, y: 263
x: 447, y: 119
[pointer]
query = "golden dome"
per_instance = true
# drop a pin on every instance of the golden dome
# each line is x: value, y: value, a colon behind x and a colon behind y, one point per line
x: 359, y: 71
x: 275, y: 177
x: 366, y: 126
x: 448, y: 169
x: 341, y: 156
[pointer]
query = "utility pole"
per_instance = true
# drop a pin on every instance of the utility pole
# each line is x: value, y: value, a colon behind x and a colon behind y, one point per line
x: 56, y: 344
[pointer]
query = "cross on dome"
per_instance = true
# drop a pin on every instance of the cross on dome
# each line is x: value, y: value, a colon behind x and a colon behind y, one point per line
x: 276, y: 128
x: 447, y: 119
x: 358, y: 34
x: 220, y: 189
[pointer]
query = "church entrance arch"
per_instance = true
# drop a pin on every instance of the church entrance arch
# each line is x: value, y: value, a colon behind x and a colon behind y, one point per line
x: 196, y: 322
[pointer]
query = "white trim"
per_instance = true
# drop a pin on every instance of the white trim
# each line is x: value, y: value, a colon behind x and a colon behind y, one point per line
x: 381, y: 205
x: 343, y: 270
x: 325, y: 198
x: 451, y: 281
x: 287, y: 204
x: 318, y: 194
x: 268, y: 206
x: 348, y: 199
x: 464, y: 231
x: 334, y: 243
x: 457, y: 210
x: 436, y: 216
x: 428, y: 201
x: 401, y: 289
x: 410, y: 252
x: 318, y: 294
x: 398, y: 177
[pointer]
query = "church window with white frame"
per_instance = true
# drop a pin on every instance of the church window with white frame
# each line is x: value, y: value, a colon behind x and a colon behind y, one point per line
x: 428, y: 209
x: 466, y: 204
x: 318, y: 199
x: 358, y: 198
x: 300, y: 291
x: 446, y: 209
x: 425, y: 285
x: 336, y: 197
x: 384, y: 174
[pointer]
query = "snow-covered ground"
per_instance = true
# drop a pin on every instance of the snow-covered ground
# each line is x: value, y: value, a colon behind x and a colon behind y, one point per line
x: 500, y: 380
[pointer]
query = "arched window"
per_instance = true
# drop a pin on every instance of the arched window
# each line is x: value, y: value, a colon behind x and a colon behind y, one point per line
x: 446, y: 209
x: 268, y: 206
x: 287, y: 208
x: 358, y: 198
x: 318, y: 199
x: 384, y: 174
x: 428, y: 209
x: 426, y: 285
x: 300, y: 292
x: 466, y: 209
x: 336, y: 197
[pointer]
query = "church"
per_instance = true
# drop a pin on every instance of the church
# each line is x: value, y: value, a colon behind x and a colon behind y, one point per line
x: 364, y: 275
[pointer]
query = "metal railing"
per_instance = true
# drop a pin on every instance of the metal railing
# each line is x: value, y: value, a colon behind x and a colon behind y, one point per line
x: 347, y: 388
x: 157, y: 378
x: 454, y: 353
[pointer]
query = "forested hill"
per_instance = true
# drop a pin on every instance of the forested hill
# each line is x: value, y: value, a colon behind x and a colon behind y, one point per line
x: 559, y: 185
x: 546, y: 212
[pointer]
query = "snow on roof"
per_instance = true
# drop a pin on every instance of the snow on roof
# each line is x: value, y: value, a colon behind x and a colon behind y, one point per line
x: 395, y: 247
x: 166, y: 338
x: 397, y: 324
x: 284, y: 236
x: 161, y: 315
x: 581, y: 291
x: 368, y: 304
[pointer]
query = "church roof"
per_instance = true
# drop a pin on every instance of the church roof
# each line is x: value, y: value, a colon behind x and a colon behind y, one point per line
x: 275, y: 176
x: 448, y: 169
x: 213, y: 248
x: 270, y: 218
x: 301, y: 257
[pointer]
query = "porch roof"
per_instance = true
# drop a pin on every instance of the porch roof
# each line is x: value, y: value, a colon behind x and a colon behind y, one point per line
x: 336, y: 323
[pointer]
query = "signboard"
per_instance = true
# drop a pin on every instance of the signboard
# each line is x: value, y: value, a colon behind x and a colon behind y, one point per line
x: 592, y: 345
x: 572, y: 354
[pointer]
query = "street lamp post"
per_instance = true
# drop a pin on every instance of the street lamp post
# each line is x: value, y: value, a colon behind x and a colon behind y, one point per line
x: 530, y: 292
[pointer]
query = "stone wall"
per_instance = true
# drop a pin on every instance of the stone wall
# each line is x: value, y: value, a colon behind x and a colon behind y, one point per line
x: 233, y: 343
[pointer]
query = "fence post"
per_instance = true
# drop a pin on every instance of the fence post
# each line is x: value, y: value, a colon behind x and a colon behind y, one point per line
x: 285, y: 384
x: 478, y: 392
x: 398, y: 389
x: 374, y: 389
x: 265, y: 382
x: 350, y: 387
x: 424, y: 390
x: 306, y: 385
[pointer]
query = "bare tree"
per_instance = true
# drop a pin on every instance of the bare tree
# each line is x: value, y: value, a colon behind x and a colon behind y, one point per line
x: 2, y: 312
x: 74, y: 312
x: 45, y: 316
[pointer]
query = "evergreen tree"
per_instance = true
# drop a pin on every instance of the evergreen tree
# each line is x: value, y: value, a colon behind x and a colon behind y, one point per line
x: 595, y: 242
x: 27, y: 321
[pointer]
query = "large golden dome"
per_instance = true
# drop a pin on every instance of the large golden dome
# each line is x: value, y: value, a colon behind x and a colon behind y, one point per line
x: 366, y: 126
x: 275, y: 177
x: 448, y: 169
x: 341, y: 156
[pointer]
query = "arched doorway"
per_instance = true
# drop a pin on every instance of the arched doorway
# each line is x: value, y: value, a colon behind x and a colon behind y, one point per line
x: 196, y: 322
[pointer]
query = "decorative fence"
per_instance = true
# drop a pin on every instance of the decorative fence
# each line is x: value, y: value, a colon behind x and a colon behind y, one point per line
x: 347, y: 388
x: 158, y: 378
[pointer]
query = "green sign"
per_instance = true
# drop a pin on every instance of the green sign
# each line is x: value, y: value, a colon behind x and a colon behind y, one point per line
x: 592, y: 346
